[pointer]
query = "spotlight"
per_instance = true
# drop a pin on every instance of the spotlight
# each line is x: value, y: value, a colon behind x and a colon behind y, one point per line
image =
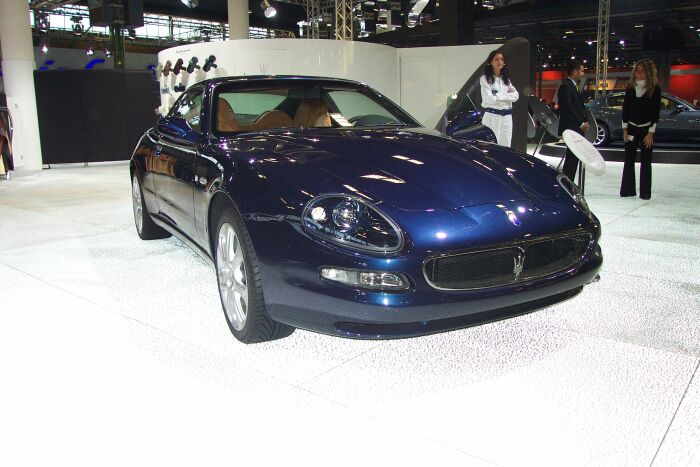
x: 108, y: 53
x: 193, y: 65
x: 178, y: 66
x: 41, y: 21
x: 167, y: 67
x: 89, y: 51
x: 190, y: 3
x: 268, y: 9
x: 209, y: 63
x: 43, y: 46
x: 77, y: 26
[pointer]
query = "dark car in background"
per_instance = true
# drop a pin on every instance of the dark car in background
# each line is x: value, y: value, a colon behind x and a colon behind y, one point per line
x: 679, y: 120
x: 360, y: 223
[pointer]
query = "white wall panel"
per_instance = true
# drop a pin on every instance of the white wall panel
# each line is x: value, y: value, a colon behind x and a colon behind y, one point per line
x: 430, y: 74
x: 418, y: 79
x: 373, y: 64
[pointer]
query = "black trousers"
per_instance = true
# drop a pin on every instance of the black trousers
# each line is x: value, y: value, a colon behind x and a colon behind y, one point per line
x: 571, y: 161
x: 627, y: 188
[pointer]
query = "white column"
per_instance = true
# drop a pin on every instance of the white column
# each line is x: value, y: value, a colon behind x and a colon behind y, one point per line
x: 18, y: 79
x: 238, y: 21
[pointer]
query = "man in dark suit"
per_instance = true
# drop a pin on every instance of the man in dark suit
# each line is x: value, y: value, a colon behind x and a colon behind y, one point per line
x: 572, y: 112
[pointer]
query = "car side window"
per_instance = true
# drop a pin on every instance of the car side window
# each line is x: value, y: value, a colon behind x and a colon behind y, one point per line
x: 616, y: 101
x: 668, y: 104
x: 189, y: 107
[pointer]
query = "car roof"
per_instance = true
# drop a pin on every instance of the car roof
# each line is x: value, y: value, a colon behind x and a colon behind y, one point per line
x: 262, y: 78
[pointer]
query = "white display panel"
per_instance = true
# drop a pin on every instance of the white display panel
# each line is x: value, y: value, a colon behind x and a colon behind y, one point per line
x: 373, y: 64
x: 420, y: 79
x: 430, y: 74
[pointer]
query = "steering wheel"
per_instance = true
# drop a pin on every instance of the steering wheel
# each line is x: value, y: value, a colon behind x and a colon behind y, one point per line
x: 369, y: 120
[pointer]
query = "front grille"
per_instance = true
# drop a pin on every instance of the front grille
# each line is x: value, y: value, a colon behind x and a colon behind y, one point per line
x: 506, y: 264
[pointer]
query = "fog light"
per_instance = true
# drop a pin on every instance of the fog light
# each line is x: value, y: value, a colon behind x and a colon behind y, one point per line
x: 373, y: 280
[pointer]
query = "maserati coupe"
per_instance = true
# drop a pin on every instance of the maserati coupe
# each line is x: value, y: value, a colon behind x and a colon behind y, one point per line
x: 323, y: 205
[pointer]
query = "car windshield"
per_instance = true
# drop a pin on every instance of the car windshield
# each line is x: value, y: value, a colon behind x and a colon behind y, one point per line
x: 302, y: 105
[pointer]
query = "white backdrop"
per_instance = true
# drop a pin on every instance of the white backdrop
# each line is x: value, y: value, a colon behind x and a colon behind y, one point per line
x: 417, y: 79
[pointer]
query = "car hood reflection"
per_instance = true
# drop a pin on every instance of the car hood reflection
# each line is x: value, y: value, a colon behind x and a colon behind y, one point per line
x: 417, y: 170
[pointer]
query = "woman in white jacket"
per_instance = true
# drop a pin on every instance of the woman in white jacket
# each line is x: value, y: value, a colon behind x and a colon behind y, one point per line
x: 497, y: 97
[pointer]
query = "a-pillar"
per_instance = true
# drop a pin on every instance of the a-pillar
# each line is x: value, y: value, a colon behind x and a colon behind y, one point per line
x: 18, y: 80
x: 238, y: 21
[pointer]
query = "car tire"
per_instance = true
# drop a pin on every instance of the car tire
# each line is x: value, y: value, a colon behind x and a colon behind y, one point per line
x: 145, y: 227
x: 603, y: 138
x: 238, y: 279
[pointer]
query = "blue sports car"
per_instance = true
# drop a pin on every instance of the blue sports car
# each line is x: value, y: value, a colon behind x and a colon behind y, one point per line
x: 325, y: 206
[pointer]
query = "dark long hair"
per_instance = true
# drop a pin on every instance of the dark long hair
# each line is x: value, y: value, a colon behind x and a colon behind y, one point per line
x: 488, y: 69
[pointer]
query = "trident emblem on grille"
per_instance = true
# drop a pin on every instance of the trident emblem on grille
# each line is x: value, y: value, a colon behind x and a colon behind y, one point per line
x: 518, y: 265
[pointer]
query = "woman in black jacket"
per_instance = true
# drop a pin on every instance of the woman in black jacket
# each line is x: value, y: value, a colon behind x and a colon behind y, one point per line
x: 640, y: 114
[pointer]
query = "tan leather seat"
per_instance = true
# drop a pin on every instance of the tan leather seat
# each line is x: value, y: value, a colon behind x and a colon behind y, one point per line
x: 273, y: 119
x: 312, y: 113
x: 225, y: 117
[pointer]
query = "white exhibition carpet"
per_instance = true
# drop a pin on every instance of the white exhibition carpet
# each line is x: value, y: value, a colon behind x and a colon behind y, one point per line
x: 115, y: 352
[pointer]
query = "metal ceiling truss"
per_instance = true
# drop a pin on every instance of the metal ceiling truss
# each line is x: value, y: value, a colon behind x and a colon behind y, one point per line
x: 49, y: 4
x: 343, y: 20
x: 601, y: 66
x: 313, y: 17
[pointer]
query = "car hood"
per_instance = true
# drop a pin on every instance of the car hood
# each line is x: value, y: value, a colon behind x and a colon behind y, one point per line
x: 412, y: 169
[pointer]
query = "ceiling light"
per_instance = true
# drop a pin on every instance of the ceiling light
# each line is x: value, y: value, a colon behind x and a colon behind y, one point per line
x: 589, y: 42
x: 89, y: 51
x: 44, y: 47
x: 268, y: 9
x: 42, y: 21
x: 108, y: 53
x: 190, y: 3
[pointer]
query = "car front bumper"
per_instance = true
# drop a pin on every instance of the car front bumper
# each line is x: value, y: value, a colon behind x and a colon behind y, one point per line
x: 295, y: 295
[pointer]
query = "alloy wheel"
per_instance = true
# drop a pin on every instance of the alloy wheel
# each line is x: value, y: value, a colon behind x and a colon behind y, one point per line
x: 601, y: 136
x: 233, y: 279
x: 137, y: 203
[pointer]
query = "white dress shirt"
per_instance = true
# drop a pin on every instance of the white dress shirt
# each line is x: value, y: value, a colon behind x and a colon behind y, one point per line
x: 502, y: 99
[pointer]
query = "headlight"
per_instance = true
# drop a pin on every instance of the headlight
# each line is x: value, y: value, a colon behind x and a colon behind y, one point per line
x: 352, y: 222
x: 573, y: 191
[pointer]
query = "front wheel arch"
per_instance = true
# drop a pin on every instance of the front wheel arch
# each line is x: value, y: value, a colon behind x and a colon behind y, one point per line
x: 219, y: 201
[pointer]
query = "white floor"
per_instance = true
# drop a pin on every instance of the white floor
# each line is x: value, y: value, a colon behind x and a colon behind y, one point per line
x: 114, y: 351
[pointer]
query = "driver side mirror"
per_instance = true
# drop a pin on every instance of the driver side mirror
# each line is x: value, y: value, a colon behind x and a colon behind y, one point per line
x: 177, y: 127
x: 463, y: 121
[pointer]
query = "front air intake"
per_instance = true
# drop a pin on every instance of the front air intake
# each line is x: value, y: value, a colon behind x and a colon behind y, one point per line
x: 508, y: 263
